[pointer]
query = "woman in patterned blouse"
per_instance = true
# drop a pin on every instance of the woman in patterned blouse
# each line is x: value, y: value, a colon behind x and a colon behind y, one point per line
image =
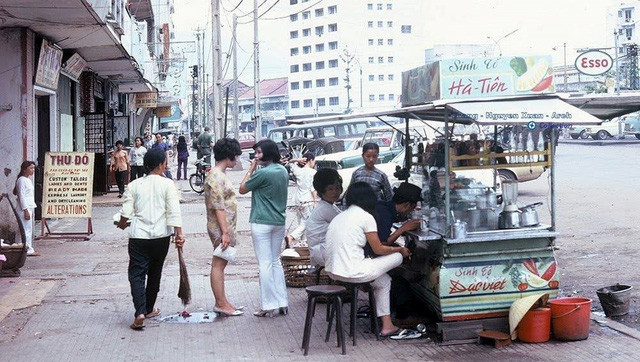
x: 220, y: 200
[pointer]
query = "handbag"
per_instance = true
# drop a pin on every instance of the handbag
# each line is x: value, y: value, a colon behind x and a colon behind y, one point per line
x: 229, y: 254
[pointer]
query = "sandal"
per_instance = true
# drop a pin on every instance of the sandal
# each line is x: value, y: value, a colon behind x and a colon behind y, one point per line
x: 138, y: 323
x: 222, y: 313
x: 394, y: 333
x: 265, y: 313
x: 406, y: 334
x: 154, y: 313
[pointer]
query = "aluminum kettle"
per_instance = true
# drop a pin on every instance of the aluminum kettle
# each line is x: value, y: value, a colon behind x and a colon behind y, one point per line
x: 529, y: 215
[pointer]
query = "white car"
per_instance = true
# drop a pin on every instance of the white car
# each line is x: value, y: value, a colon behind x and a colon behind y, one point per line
x: 609, y: 128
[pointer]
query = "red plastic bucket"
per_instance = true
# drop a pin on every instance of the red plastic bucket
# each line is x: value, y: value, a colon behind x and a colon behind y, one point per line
x: 535, y: 326
x: 570, y: 318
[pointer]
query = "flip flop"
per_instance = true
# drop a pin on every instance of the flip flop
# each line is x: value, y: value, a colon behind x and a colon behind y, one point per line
x: 154, y: 313
x: 138, y: 324
x: 407, y: 334
x: 394, y: 333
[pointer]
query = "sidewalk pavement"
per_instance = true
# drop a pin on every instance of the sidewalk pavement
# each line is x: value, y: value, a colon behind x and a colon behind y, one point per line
x: 73, y: 303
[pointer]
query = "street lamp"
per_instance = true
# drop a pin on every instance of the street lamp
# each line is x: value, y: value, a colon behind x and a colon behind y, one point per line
x: 496, y: 42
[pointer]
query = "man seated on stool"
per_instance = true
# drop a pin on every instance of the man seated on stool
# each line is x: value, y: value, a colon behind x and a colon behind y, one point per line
x: 404, y: 201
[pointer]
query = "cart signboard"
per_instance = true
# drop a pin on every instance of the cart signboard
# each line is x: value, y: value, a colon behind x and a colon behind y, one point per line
x: 477, y: 78
x: 486, y: 287
x: 68, y: 185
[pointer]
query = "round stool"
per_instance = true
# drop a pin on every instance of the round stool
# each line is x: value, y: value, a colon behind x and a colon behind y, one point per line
x: 333, y: 294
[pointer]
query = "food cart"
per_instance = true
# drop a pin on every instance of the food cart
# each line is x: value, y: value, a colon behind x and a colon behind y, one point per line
x: 478, y: 255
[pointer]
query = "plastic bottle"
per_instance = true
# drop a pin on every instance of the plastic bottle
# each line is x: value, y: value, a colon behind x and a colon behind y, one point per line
x: 540, y: 146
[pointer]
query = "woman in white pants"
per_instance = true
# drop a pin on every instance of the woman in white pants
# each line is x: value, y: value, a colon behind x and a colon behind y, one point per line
x: 347, y: 236
x: 268, y: 207
x: 26, y: 201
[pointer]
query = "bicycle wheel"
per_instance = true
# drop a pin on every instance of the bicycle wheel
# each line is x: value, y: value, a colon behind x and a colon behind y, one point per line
x: 196, y: 181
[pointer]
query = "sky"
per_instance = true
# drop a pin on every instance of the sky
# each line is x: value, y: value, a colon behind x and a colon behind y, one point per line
x: 539, y: 25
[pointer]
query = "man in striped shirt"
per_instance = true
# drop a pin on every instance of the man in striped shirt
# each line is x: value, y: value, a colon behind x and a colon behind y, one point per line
x: 371, y: 175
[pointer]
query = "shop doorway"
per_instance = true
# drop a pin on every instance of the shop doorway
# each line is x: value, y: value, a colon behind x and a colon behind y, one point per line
x: 43, y: 121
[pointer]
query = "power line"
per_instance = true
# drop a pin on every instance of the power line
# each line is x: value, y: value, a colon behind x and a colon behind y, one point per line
x: 232, y: 10
x: 286, y: 16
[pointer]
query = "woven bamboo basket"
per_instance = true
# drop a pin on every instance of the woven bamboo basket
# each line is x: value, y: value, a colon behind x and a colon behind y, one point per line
x: 295, y: 269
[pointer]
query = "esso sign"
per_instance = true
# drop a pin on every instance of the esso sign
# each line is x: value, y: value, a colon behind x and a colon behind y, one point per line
x: 594, y: 62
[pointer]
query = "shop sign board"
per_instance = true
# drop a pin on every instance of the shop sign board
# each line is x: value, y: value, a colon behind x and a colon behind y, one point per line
x: 477, y: 78
x: 147, y: 100
x: 49, y: 63
x: 68, y: 185
x: 74, y: 66
x: 163, y: 111
x: 478, y: 289
x: 594, y: 62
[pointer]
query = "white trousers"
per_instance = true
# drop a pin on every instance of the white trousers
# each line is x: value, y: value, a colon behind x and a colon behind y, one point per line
x: 28, y: 226
x: 376, y: 273
x: 267, y: 243
x: 302, y: 214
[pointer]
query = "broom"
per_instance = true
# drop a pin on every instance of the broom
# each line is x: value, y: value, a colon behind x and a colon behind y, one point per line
x: 184, y: 291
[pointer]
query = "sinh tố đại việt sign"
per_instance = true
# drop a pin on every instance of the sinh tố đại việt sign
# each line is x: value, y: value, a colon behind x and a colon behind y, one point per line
x: 68, y: 185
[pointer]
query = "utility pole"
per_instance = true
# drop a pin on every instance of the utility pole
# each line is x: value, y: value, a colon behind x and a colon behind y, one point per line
x: 236, y: 121
x: 197, y: 81
x: 565, y: 66
x: 615, y: 38
x: 257, y: 116
x: 216, y: 70
x: 203, y: 84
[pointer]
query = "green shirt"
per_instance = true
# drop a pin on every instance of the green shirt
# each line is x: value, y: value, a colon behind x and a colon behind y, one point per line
x: 269, y: 199
x: 204, y: 140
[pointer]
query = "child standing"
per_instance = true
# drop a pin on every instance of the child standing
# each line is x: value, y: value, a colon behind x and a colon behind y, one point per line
x: 305, y: 196
x: 370, y: 174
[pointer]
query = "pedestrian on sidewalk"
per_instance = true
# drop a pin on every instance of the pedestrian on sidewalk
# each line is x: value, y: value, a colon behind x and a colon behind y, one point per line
x: 26, y: 201
x: 267, y: 218
x: 220, y: 200
x: 136, y: 154
x: 120, y: 165
x: 305, y: 197
x: 152, y: 205
x: 183, y: 156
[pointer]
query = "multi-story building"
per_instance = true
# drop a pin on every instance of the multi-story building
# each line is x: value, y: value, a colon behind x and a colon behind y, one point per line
x: 621, y: 22
x: 273, y: 105
x: 349, y: 55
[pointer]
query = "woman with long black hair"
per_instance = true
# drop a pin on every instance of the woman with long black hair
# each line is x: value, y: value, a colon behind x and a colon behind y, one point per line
x: 24, y: 191
x: 183, y: 156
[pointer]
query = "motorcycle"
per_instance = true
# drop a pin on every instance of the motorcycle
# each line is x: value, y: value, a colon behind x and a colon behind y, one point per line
x: 196, y: 180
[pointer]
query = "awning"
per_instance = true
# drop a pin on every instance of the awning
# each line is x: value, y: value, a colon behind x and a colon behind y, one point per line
x: 522, y: 112
x: 504, y: 110
x: 74, y: 24
x: 606, y: 106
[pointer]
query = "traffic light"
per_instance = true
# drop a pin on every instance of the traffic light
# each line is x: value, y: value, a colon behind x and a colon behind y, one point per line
x: 194, y: 71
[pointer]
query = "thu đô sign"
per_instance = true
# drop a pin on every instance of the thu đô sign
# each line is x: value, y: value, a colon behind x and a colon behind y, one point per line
x: 477, y: 78
x: 68, y: 185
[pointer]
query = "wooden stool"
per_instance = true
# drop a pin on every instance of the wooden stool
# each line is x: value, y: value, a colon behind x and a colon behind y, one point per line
x: 355, y: 287
x: 333, y: 294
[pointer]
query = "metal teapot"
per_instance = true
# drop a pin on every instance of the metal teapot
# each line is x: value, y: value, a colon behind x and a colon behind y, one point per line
x: 529, y: 215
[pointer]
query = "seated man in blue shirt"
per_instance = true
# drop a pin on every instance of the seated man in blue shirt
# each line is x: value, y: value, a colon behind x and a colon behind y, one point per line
x: 404, y: 201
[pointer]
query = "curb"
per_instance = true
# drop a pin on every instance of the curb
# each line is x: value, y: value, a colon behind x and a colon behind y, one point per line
x: 616, y: 326
x: 613, y: 142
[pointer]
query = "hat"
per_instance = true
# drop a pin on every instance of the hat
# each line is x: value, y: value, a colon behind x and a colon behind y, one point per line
x: 408, y: 191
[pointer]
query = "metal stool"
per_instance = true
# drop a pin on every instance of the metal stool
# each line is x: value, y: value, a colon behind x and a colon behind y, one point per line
x: 333, y: 294
x: 355, y: 287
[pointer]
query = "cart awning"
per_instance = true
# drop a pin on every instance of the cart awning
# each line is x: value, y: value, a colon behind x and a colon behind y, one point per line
x: 520, y: 112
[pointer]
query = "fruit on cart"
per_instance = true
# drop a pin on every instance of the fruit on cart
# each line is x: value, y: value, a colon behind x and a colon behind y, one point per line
x: 523, y: 286
x: 536, y: 282
x: 550, y: 272
x: 531, y: 266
